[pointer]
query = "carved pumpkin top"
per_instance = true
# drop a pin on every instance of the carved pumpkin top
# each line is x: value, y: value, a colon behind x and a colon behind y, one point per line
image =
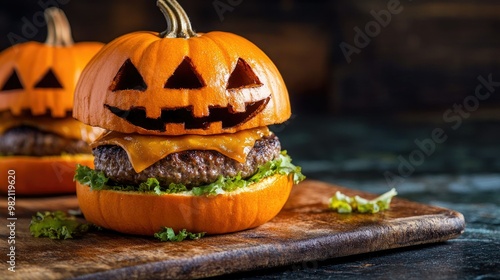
x: 40, y: 78
x: 178, y: 82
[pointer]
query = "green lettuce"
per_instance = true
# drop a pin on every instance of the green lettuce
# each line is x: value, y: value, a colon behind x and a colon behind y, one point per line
x: 153, y: 185
x: 168, y: 234
x: 56, y: 225
x: 346, y: 204
x: 97, y: 180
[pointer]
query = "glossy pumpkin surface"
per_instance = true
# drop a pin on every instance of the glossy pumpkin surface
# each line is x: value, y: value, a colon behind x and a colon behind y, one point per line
x: 42, y: 175
x: 41, y: 77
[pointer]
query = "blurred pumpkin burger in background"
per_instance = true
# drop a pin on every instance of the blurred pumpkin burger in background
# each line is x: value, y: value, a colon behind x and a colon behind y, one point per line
x: 187, y: 144
x: 40, y: 141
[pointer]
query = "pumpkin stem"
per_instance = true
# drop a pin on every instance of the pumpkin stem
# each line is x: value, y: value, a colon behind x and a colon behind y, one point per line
x: 58, y: 29
x: 178, y: 22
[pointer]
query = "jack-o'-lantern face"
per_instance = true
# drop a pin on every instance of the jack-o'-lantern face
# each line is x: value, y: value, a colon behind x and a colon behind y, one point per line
x: 185, y: 77
x: 181, y: 83
x: 41, y: 77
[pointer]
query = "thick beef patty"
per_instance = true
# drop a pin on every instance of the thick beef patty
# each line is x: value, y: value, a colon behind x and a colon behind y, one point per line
x: 191, y: 168
x: 29, y: 141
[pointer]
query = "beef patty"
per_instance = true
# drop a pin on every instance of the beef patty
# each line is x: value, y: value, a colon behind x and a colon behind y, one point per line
x: 191, y: 168
x: 30, y: 141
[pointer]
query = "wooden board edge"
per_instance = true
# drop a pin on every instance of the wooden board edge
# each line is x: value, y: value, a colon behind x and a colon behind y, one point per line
x: 316, y: 249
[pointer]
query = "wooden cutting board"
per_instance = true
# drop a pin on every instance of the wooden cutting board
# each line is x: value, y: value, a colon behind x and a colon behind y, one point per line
x: 305, y: 230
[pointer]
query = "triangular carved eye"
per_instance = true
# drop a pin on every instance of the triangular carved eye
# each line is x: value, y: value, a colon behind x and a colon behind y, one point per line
x: 13, y: 82
x: 49, y: 80
x: 128, y: 78
x: 243, y: 76
x: 185, y: 77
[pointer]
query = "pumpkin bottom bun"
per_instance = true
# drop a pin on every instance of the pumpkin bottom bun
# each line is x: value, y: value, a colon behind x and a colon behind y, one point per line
x: 47, y: 175
x: 146, y: 213
x: 40, y: 162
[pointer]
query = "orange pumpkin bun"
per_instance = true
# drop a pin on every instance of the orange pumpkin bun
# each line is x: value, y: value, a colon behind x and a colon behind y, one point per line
x: 187, y: 144
x: 42, y: 175
x: 145, y: 214
x: 39, y: 139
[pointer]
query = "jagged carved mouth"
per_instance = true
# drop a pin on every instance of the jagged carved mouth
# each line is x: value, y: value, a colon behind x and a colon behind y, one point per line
x: 226, y: 115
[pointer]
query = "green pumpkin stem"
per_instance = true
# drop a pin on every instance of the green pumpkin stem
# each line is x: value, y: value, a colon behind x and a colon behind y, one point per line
x: 178, y: 22
x: 58, y: 28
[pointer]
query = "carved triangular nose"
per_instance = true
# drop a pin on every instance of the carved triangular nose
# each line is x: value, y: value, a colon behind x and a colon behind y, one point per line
x: 185, y: 77
x: 49, y: 80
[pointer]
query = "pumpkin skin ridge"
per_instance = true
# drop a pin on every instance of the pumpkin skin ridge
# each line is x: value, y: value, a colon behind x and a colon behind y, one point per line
x: 233, y: 92
x: 272, y: 71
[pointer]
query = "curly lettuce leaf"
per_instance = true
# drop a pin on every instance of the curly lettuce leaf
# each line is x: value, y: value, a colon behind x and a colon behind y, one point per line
x: 97, y: 180
x: 87, y: 176
x: 56, y: 225
x: 153, y: 185
x: 168, y: 234
x: 221, y: 185
x: 346, y: 204
x: 341, y: 202
x: 283, y: 165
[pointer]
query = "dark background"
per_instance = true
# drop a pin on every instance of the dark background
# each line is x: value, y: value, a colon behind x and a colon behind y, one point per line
x: 427, y: 58
x: 356, y: 122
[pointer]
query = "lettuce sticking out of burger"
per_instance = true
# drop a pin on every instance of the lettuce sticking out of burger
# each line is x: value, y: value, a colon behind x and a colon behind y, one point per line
x: 40, y: 142
x: 187, y: 143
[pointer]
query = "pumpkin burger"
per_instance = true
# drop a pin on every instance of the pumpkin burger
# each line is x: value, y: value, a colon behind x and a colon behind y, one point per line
x: 40, y: 142
x: 187, y: 144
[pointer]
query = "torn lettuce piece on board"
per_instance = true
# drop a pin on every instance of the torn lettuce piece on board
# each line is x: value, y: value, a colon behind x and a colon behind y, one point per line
x: 56, y: 225
x: 168, y: 234
x: 346, y: 204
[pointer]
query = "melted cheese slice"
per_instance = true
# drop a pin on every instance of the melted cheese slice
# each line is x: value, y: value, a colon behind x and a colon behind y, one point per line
x: 144, y: 150
x: 65, y: 127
